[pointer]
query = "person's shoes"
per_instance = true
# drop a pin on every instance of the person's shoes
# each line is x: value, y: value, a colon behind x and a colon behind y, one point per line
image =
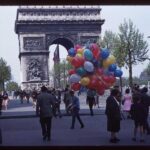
x: 133, y: 139
x: 71, y: 127
x: 82, y: 126
x: 48, y: 139
x: 117, y: 139
x: 142, y: 140
x: 44, y: 137
x: 113, y: 141
x: 148, y: 133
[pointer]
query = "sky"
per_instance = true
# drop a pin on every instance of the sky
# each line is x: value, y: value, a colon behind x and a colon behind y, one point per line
x: 113, y: 15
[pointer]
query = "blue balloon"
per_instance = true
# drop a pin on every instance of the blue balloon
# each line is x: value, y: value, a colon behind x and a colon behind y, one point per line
x: 88, y: 54
x: 95, y: 62
x: 72, y: 52
x: 118, y: 73
x: 104, y: 53
x: 107, y: 72
x: 81, y: 71
x: 112, y: 67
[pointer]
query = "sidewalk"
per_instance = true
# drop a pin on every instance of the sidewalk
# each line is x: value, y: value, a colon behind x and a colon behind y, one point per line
x: 25, y: 130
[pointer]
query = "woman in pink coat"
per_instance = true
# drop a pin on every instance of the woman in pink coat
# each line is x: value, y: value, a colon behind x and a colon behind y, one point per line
x: 127, y: 99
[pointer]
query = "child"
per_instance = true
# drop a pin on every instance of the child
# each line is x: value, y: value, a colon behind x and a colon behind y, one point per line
x: 138, y: 115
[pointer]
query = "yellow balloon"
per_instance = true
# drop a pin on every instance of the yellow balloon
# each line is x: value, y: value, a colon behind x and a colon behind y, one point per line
x: 80, y: 50
x: 79, y: 55
x: 69, y: 58
x: 112, y: 59
x: 85, y: 81
x: 106, y: 63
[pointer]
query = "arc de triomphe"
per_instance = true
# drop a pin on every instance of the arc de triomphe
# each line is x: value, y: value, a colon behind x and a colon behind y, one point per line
x: 38, y: 27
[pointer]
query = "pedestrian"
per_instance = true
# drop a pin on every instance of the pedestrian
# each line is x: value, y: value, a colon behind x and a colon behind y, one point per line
x: 97, y: 100
x: 75, y: 107
x: 90, y: 100
x: 127, y: 101
x: 67, y: 99
x: 56, y: 106
x: 34, y: 97
x: 1, y: 102
x: 5, y: 100
x: 44, y: 111
x: 113, y: 115
x: 138, y: 114
x: 145, y: 99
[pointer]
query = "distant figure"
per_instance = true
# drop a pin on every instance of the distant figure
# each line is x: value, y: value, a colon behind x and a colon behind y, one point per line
x: 21, y: 96
x: 145, y: 100
x: 1, y: 102
x: 75, y: 107
x: 91, y: 100
x: 34, y: 97
x: 127, y: 99
x: 67, y: 99
x: 138, y: 114
x: 57, y: 101
x: 5, y: 100
x: 97, y: 100
x: 113, y: 114
x: 44, y: 110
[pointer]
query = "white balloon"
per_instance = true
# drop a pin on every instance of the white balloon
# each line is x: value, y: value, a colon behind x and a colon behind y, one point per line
x: 74, y: 78
x: 88, y: 66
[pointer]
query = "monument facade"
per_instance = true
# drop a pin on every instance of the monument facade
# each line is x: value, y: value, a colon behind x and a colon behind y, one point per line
x: 38, y: 27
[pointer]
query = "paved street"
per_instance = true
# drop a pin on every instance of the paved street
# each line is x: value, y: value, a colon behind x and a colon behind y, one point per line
x: 20, y: 127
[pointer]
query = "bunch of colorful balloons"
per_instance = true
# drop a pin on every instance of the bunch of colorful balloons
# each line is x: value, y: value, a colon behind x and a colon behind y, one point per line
x: 93, y: 68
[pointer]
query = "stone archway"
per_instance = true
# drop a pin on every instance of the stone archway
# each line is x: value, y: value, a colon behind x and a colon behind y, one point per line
x: 39, y: 27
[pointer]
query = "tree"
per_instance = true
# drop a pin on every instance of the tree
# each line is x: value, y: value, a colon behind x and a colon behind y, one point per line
x: 111, y: 41
x: 5, y: 72
x: 12, y: 86
x: 148, y: 69
x: 61, y: 71
x: 133, y: 45
x: 128, y: 46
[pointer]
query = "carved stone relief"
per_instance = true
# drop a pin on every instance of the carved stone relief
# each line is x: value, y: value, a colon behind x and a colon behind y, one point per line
x: 88, y: 39
x: 34, y: 72
x: 33, y: 43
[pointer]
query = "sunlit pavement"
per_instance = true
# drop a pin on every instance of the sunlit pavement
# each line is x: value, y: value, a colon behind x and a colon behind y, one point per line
x: 20, y: 127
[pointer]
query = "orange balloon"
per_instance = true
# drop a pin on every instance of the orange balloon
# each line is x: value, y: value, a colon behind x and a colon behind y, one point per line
x: 85, y: 81
x: 69, y: 58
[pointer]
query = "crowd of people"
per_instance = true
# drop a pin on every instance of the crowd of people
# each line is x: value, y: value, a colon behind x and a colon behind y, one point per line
x: 134, y: 102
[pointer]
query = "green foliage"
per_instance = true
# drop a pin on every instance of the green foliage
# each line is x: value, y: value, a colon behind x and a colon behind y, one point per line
x: 132, y: 41
x: 60, y: 72
x: 128, y: 46
x: 5, y: 72
x: 148, y: 69
x: 12, y: 86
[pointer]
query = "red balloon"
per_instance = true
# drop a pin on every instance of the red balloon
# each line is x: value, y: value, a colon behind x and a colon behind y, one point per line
x: 100, y: 85
x: 75, y: 86
x: 100, y: 71
x: 77, y: 62
x: 77, y: 47
x: 106, y: 78
x: 93, y: 82
x: 112, y: 79
x: 71, y: 71
x: 95, y: 50
x: 101, y: 91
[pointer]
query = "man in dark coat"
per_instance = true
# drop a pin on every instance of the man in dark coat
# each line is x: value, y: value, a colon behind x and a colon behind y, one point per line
x: 44, y: 110
x: 113, y: 114
x: 1, y: 101
x: 146, y: 102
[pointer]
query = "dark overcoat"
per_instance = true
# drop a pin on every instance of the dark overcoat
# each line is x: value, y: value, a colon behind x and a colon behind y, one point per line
x: 113, y: 115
